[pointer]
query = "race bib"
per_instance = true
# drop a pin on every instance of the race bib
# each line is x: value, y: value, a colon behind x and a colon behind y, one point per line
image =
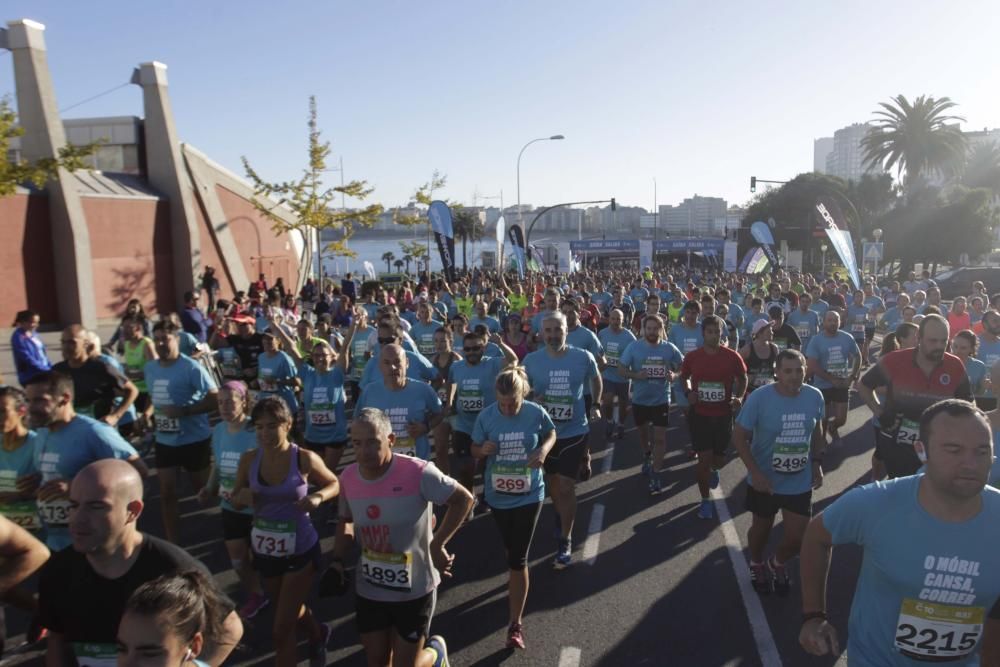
x: 790, y: 459
x: 54, y: 512
x: 560, y: 408
x: 134, y: 374
x: 227, y: 484
x: 442, y: 395
x: 470, y: 401
x: 937, y: 632
x: 656, y: 369
x: 612, y: 362
x: 95, y: 655
x: 231, y: 369
x: 514, y: 480
x: 426, y: 344
x: 858, y: 328
x: 781, y: 344
x: 405, y: 445
x: 387, y: 570
x: 166, y: 424
x: 802, y: 331
x: 322, y: 414
x: 840, y: 370
x: 273, y: 538
x: 22, y: 512
x: 762, y: 378
x: 909, y: 431
x: 711, y: 392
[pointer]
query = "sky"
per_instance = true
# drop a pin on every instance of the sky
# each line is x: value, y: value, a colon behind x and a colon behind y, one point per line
x: 697, y: 96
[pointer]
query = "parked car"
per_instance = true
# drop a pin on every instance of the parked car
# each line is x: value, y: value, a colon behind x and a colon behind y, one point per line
x: 958, y: 281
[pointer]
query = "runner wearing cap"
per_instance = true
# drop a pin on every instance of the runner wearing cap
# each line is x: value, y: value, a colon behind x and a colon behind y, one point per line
x: 760, y: 354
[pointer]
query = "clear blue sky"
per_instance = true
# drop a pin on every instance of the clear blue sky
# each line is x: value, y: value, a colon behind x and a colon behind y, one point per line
x: 698, y: 95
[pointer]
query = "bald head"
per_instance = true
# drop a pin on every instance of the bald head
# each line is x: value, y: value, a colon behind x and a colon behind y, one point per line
x: 115, y: 477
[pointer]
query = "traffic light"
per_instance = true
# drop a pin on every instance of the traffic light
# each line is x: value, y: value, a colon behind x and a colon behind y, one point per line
x: 753, y: 184
x: 613, y: 205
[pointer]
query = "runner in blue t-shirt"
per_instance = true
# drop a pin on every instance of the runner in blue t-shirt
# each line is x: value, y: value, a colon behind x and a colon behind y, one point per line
x: 651, y: 362
x: 557, y: 374
x: 804, y: 320
x: 929, y: 580
x: 615, y: 339
x: 514, y: 436
x: 422, y: 332
x: 183, y: 393
x: 834, y: 363
x: 277, y: 374
x: 687, y: 337
x: 412, y: 407
x: 785, y: 420
x: 231, y: 438
x: 17, y: 459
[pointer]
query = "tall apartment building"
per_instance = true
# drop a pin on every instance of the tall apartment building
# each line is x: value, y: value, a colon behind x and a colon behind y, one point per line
x: 697, y: 216
x: 845, y: 157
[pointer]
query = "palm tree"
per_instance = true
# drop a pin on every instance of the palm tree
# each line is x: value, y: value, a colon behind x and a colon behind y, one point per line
x: 916, y: 138
x: 982, y: 169
x: 387, y: 257
x: 466, y: 225
x: 407, y: 258
x: 398, y: 264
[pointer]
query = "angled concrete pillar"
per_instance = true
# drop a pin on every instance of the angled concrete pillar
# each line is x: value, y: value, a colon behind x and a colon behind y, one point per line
x: 165, y: 171
x: 43, y: 136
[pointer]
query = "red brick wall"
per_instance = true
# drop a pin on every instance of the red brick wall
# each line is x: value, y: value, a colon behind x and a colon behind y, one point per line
x: 26, y: 259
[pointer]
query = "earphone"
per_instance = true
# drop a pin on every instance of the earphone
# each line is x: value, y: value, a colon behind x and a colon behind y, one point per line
x: 188, y: 655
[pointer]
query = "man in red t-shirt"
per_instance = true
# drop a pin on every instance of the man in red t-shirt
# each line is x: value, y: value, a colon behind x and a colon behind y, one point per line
x: 714, y: 380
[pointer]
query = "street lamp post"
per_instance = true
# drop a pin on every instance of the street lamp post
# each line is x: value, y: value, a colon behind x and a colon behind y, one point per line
x: 822, y: 249
x: 554, y: 137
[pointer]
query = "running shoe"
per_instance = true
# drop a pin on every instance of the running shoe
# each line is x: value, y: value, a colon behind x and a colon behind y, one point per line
x: 254, y: 603
x: 564, y: 556
x: 621, y: 431
x: 655, y: 486
x: 515, y: 636
x: 692, y: 454
x: 705, y: 510
x: 714, y: 480
x: 647, y: 465
x: 782, y: 583
x: 760, y: 578
x: 317, y: 649
x: 437, y: 645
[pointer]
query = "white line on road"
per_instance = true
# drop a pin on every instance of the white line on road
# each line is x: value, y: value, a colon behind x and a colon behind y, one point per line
x: 766, y: 648
x: 593, y: 542
x: 569, y: 656
x: 609, y: 456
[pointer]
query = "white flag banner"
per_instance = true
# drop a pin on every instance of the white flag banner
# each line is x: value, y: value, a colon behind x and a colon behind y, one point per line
x: 370, y: 270
x: 501, y: 231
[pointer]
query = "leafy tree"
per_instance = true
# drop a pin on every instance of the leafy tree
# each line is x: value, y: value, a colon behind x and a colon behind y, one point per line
x: 416, y: 250
x: 18, y: 172
x: 398, y: 264
x: 388, y: 258
x: 467, y: 226
x: 313, y: 205
x: 916, y: 138
x: 407, y: 259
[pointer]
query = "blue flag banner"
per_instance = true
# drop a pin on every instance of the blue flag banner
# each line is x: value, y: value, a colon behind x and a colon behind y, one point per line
x: 831, y: 218
x: 762, y: 235
x: 439, y: 215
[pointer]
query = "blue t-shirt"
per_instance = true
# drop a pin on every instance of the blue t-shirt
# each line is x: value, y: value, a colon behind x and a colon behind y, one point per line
x: 227, y: 448
x: 359, y: 352
x: 585, y: 339
x: 856, y: 321
x: 474, y: 389
x: 686, y: 340
x: 782, y: 428
x: 976, y: 370
x: 806, y: 325
x: 614, y: 345
x: 557, y: 385
x: 508, y: 481
x: 270, y: 370
x: 372, y: 310
x: 536, y: 321
x: 835, y: 354
x: 188, y: 343
x: 183, y: 383
x: 989, y: 354
x: 601, y: 300
x: 415, y: 402
x: 751, y: 319
x: 323, y: 400
x: 820, y: 307
x: 656, y: 360
x: 891, y: 318
x: 736, y: 315
x: 491, y: 323
x: 916, y: 570
x: 639, y: 296
x: 418, y: 368
x: 13, y: 465
x: 423, y: 335
x: 61, y: 454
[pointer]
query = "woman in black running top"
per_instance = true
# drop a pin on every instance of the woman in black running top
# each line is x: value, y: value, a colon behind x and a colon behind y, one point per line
x: 759, y: 354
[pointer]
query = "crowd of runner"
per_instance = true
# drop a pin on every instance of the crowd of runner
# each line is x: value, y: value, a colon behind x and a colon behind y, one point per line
x: 481, y: 395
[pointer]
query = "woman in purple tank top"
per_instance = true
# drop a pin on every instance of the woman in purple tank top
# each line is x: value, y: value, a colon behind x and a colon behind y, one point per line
x: 274, y: 479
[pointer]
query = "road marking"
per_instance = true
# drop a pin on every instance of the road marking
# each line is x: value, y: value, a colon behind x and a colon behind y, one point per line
x: 766, y: 648
x: 609, y: 455
x: 569, y: 656
x: 593, y: 541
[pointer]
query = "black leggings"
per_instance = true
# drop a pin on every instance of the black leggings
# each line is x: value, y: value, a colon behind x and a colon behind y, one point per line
x: 517, y: 526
